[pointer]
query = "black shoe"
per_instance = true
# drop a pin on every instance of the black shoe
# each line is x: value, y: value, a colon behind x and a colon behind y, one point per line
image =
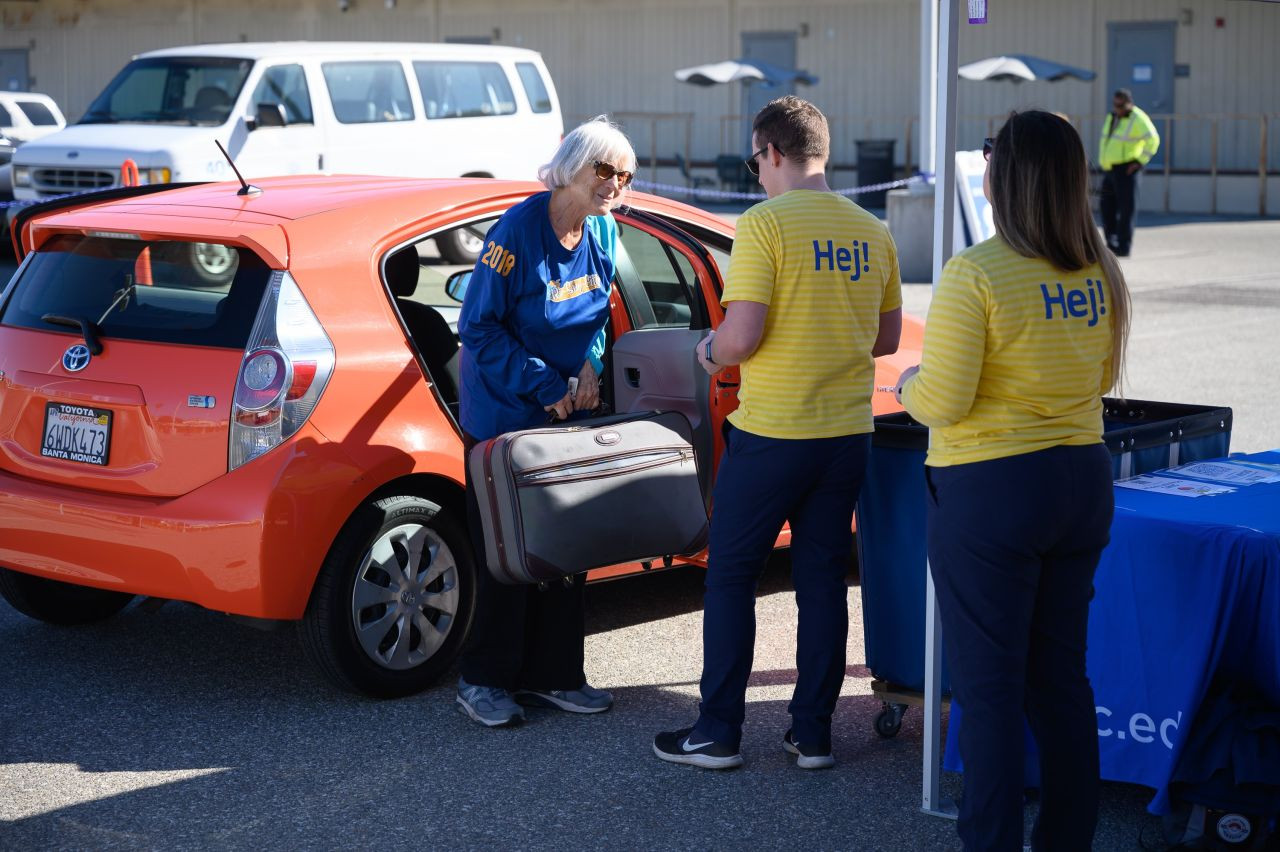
x: 806, y: 757
x: 675, y: 747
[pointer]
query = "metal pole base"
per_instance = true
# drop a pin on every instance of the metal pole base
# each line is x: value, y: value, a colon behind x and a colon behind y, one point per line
x: 946, y: 809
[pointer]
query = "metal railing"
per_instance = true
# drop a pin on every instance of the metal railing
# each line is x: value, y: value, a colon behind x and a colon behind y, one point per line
x: 1210, y: 144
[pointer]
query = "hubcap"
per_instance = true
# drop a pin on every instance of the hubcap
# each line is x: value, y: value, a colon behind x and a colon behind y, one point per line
x: 213, y: 258
x: 405, y: 597
x: 470, y: 241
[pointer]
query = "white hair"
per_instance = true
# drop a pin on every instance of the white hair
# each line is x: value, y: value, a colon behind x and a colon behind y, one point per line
x: 597, y: 139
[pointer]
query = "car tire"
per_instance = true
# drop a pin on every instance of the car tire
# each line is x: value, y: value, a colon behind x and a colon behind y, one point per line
x: 394, y: 599
x: 460, y: 245
x: 55, y: 602
x: 214, y: 264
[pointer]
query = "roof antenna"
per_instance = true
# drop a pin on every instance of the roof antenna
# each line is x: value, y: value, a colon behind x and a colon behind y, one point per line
x: 245, y: 188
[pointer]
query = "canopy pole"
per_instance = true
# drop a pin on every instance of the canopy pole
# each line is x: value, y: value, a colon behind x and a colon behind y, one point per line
x: 944, y: 214
x: 928, y: 81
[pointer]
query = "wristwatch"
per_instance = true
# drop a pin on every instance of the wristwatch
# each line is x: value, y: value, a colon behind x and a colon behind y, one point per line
x: 706, y: 351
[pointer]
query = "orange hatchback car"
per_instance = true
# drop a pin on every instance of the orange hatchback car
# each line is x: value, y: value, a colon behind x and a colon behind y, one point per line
x: 248, y: 401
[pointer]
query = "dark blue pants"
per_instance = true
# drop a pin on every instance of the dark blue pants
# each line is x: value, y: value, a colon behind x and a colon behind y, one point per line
x: 762, y: 483
x: 1013, y: 545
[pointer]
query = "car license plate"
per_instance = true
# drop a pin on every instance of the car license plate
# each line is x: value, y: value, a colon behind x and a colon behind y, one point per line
x: 76, y: 433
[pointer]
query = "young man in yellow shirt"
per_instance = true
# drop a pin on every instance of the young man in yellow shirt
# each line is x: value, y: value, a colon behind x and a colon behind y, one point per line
x: 813, y: 295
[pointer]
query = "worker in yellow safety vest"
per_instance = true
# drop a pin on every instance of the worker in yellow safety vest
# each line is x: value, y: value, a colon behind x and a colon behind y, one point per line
x: 1129, y: 141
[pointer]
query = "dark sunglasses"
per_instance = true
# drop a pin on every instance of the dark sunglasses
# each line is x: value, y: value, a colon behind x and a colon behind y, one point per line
x: 607, y: 171
x: 753, y: 164
x: 988, y: 145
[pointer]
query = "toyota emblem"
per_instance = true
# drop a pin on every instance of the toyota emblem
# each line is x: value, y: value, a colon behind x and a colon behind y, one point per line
x: 76, y: 358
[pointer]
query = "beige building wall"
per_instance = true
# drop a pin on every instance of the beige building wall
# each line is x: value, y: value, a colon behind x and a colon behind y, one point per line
x: 618, y: 56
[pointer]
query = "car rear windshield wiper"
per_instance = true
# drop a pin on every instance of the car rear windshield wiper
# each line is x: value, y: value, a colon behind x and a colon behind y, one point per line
x: 87, y: 327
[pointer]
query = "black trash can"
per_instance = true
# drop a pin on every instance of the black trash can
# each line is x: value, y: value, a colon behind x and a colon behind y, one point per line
x: 1142, y: 436
x: 875, y: 165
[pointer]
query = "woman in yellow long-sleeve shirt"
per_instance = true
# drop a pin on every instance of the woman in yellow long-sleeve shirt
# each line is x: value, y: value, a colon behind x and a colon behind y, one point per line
x: 1025, y: 333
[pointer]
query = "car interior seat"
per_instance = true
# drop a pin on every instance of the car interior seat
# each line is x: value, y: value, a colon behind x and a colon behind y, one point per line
x: 429, y: 330
x: 211, y: 103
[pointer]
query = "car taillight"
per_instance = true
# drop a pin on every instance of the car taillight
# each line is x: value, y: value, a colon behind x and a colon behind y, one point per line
x: 286, y: 367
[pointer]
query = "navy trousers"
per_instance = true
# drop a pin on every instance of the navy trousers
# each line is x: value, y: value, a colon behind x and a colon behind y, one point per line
x: 762, y: 483
x: 1013, y: 545
x: 522, y: 636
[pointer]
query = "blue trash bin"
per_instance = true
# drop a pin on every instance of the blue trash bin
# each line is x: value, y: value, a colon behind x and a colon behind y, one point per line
x: 1143, y: 436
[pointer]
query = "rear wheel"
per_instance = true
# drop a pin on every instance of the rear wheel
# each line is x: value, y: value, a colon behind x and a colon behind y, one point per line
x: 59, y: 603
x: 214, y: 264
x: 461, y: 245
x: 393, y: 600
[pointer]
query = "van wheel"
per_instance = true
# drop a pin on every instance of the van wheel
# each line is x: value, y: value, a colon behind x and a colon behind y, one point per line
x: 213, y: 263
x: 460, y: 246
x: 393, y: 600
x: 55, y: 602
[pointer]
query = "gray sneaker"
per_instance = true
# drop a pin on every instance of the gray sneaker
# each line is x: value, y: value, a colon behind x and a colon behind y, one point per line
x: 584, y: 699
x: 491, y: 706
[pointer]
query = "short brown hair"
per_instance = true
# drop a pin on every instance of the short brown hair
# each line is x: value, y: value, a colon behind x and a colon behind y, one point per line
x: 795, y: 127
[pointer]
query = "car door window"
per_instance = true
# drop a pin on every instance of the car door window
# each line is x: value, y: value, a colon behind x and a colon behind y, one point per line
x: 665, y: 276
x: 6, y: 119
x: 368, y: 92
x: 286, y: 85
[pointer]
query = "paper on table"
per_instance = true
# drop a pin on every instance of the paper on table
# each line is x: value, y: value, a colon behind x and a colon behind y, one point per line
x: 1230, y: 472
x: 1176, y: 487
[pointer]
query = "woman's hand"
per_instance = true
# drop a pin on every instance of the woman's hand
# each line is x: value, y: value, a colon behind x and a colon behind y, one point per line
x: 902, y: 380
x: 561, y: 409
x: 588, y: 395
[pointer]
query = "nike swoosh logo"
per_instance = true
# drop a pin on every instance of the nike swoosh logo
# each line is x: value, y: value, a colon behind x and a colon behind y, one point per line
x: 689, y: 746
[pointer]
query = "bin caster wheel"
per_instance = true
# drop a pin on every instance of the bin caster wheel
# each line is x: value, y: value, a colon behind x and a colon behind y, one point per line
x: 889, y: 720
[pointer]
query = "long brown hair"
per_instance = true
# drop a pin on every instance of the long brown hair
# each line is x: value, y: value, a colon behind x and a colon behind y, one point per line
x: 1040, y: 201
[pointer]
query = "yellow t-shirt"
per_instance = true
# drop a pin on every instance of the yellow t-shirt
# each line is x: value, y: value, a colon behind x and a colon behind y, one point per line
x: 827, y: 269
x: 1017, y: 355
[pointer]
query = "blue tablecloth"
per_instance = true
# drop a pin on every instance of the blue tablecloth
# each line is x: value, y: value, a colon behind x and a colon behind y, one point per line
x: 1188, y: 588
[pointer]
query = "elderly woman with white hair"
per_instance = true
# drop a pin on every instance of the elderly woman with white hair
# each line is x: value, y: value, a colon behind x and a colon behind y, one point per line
x: 533, y: 318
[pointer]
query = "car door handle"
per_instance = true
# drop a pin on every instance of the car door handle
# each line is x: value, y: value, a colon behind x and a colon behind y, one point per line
x: 723, y: 385
x: 632, y: 376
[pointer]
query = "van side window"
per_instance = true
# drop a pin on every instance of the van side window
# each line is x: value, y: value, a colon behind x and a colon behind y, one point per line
x: 365, y: 92
x: 534, y: 87
x: 464, y: 89
x: 286, y: 85
x: 37, y: 113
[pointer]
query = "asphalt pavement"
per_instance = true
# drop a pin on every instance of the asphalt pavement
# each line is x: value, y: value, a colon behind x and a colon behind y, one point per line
x: 180, y: 728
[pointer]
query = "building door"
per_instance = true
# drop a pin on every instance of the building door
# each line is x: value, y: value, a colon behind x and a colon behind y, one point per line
x: 13, y: 71
x: 1140, y: 59
x: 778, y: 48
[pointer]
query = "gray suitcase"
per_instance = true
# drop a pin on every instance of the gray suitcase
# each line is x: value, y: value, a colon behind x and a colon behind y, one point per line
x: 562, y: 499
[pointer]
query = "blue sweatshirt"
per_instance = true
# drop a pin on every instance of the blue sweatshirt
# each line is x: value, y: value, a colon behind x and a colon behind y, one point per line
x: 533, y: 314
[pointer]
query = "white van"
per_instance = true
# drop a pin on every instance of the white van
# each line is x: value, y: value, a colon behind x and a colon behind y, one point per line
x: 424, y: 110
x: 28, y: 115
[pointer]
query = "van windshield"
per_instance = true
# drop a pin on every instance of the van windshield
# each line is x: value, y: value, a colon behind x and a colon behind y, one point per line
x: 171, y: 90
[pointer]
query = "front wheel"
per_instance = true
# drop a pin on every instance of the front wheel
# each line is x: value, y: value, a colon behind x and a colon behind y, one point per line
x: 59, y: 603
x: 393, y: 600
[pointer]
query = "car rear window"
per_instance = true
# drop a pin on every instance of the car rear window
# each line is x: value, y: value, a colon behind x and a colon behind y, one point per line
x: 6, y: 118
x: 202, y: 294
x: 37, y: 113
x: 534, y: 87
